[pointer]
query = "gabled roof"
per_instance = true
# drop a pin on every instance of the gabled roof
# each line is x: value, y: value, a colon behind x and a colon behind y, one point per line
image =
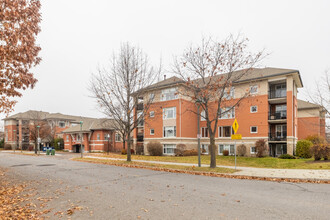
x: 32, y: 114
x: 307, y: 105
x: 91, y: 125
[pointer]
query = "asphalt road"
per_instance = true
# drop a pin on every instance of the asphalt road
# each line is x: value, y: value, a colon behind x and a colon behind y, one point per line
x: 110, y: 192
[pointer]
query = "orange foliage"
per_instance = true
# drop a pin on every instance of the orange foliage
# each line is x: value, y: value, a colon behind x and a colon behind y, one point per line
x: 19, y: 26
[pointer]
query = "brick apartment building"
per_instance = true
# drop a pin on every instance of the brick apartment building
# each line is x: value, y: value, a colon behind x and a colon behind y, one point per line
x: 272, y: 112
x: 17, y: 131
x: 97, y: 135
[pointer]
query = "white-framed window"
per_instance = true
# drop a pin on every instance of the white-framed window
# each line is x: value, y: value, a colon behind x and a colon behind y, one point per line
x: 170, y: 131
x: 254, y: 89
x: 254, y: 109
x: 226, y: 131
x: 205, y: 149
x: 229, y: 147
x: 254, y: 129
x: 61, y: 124
x: 152, y: 114
x: 169, y: 149
x: 151, y: 96
x: 229, y: 93
x: 203, y: 115
x: 227, y: 113
x: 169, y: 94
x: 253, y: 150
x: 205, y: 132
x: 98, y: 137
x: 67, y: 137
x: 117, y: 137
x: 169, y: 113
x: 152, y: 131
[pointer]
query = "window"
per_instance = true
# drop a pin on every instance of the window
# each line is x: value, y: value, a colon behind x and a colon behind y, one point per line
x: 117, y: 137
x: 152, y: 114
x: 151, y: 96
x: 254, y: 89
x: 205, y: 132
x: 229, y: 94
x: 170, y: 131
x: 169, y: 113
x: 61, y: 124
x: 169, y: 94
x: 254, y: 129
x: 252, y: 150
x: 229, y: 147
x: 67, y: 137
x: 205, y: 148
x: 152, y: 131
x: 98, y: 137
x: 254, y: 109
x: 226, y: 131
x: 227, y: 113
x: 169, y: 148
x: 203, y: 116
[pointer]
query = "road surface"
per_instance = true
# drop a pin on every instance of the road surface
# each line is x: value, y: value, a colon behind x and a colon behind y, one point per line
x: 110, y: 192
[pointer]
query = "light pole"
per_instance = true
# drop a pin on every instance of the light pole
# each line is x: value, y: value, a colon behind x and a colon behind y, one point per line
x: 198, y: 133
x: 15, y: 140
x: 108, y: 143
x: 37, y: 150
x: 81, y: 146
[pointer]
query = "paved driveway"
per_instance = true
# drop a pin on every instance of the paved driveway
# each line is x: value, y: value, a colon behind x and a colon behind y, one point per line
x: 110, y: 192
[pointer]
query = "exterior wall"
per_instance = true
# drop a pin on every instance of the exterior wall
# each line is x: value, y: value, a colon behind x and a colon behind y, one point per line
x: 310, y: 122
x: 91, y: 143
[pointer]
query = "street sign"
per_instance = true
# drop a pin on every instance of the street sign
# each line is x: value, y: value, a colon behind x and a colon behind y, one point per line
x: 235, y: 126
x: 236, y: 136
x: 39, y: 140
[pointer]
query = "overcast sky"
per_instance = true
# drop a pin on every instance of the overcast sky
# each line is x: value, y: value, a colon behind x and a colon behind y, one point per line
x: 79, y: 35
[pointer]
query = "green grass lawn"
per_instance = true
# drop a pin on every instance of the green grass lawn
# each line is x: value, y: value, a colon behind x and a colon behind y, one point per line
x: 152, y: 165
x: 266, y: 162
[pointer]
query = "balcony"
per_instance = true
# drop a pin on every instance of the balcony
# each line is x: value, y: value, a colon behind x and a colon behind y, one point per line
x: 277, y: 136
x: 140, y: 137
x: 277, y: 117
x: 139, y: 107
x: 277, y: 93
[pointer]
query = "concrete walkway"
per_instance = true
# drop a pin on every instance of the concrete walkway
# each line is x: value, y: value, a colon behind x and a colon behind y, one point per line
x: 251, y: 171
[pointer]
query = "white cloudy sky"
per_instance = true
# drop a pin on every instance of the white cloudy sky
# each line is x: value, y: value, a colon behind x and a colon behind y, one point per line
x: 78, y: 35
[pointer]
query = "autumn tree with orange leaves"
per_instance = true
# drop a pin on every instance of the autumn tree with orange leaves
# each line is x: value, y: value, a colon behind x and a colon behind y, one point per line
x: 19, y: 27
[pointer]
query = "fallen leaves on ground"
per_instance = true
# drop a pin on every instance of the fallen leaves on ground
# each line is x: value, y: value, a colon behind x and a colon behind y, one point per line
x: 15, y: 205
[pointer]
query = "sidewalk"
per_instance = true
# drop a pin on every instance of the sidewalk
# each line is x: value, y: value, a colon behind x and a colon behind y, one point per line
x: 251, y: 171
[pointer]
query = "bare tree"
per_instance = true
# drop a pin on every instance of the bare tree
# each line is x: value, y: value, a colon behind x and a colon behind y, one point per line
x: 39, y: 127
x: 209, y: 70
x: 321, y: 95
x: 118, y: 89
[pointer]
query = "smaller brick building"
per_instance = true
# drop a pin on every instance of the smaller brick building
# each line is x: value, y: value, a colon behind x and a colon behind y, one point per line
x: 97, y: 135
x: 311, y: 119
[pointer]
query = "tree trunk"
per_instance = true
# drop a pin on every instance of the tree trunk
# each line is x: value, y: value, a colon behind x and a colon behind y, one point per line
x: 213, y: 161
x: 129, y: 148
